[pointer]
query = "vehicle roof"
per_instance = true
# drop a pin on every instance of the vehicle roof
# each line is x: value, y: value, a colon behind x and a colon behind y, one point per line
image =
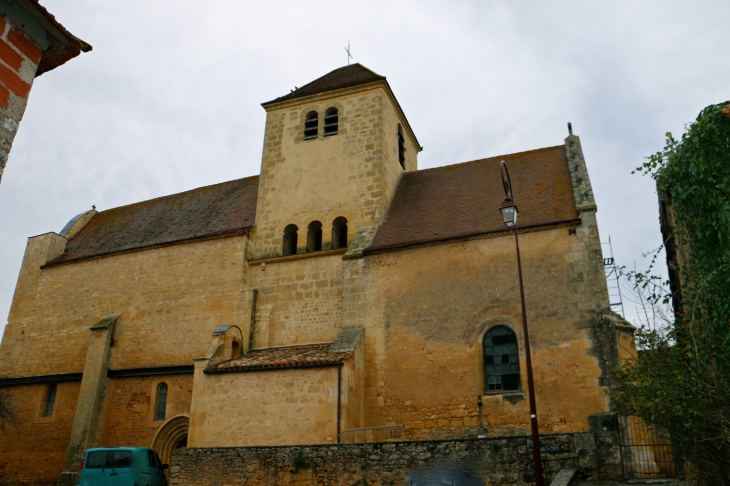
x: 124, y: 448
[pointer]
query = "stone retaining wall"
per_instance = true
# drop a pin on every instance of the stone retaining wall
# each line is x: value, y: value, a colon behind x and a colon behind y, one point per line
x: 499, y: 460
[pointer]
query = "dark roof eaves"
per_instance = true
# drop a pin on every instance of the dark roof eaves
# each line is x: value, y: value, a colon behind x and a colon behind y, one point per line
x: 468, y: 236
x: 194, y: 239
x: 215, y: 369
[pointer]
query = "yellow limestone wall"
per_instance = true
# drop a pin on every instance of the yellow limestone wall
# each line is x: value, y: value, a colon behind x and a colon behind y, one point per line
x: 352, y: 174
x: 294, y: 406
x: 34, y: 452
x: 129, y: 418
x: 170, y: 299
x: 298, y: 300
x: 438, y: 303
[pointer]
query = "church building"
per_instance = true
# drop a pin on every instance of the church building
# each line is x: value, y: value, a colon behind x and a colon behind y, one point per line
x: 340, y: 294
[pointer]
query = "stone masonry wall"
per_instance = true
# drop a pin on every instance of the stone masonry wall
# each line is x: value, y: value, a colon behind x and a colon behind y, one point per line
x: 19, y: 59
x: 170, y: 300
x: 129, y: 418
x: 497, y: 461
x: 352, y: 174
x: 440, y: 300
x: 35, y: 451
x: 298, y: 300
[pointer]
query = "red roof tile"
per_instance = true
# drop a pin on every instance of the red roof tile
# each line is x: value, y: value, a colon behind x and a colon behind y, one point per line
x: 208, y: 211
x: 463, y: 200
x: 284, y: 357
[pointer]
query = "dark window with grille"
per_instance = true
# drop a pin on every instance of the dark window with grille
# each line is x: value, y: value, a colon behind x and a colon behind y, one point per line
x: 290, y: 240
x: 339, y: 232
x: 161, y: 402
x: 311, y: 125
x: 331, y: 122
x: 50, y: 400
x: 314, y: 236
x: 501, y: 364
x: 401, y: 148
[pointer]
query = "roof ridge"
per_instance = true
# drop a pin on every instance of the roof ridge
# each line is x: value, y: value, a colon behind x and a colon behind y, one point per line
x: 421, y: 171
x: 176, y: 194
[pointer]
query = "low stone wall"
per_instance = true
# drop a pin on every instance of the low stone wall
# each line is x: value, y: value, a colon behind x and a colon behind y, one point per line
x: 498, y: 460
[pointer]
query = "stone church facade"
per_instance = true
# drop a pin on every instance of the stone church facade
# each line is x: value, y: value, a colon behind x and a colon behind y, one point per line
x: 340, y: 289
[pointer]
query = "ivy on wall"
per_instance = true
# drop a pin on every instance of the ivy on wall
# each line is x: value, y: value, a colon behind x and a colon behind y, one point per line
x: 681, y: 381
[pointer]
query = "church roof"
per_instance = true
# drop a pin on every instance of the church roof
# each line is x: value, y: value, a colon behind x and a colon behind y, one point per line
x: 205, y: 212
x: 430, y: 205
x: 344, y: 77
x: 284, y: 357
x: 463, y: 200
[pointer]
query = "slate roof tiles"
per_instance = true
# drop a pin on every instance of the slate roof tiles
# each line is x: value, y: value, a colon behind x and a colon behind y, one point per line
x: 208, y: 211
x: 463, y: 200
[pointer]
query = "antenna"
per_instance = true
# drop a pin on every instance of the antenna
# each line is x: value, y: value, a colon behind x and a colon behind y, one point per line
x: 349, y: 56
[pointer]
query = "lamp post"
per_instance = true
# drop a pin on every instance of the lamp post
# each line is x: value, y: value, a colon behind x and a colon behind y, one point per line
x: 509, y: 215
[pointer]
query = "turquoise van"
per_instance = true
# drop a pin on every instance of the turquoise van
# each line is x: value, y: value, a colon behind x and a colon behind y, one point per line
x: 122, y: 466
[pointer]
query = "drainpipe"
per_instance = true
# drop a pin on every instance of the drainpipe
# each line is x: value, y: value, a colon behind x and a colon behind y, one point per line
x: 481, y: 431
x: 339, y: 402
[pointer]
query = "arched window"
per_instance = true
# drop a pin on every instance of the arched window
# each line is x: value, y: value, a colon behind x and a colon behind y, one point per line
x: 501, y: 366
x: 401, y: 148
x: 290, y: 240
x: 311, y: 125
x: 50, y: 400
x: 339, y: 233
x: 161, y: 406
x: 331, y: 122
x: 314, y: 236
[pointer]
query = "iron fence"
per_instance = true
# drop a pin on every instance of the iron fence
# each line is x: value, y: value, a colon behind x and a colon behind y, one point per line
x: 645, y: 452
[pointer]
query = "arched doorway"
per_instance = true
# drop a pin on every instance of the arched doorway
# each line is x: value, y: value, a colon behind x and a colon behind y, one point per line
x: 172, y: 435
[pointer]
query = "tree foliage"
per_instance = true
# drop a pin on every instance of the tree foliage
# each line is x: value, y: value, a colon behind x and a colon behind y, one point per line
x: 681, y: 381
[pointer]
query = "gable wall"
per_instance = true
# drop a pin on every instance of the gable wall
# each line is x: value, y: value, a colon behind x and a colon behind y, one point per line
x: 426, y: 365
x: 169, y: 299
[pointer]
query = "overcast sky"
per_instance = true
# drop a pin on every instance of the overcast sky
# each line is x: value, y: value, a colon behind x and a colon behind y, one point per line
x: 169, y: 99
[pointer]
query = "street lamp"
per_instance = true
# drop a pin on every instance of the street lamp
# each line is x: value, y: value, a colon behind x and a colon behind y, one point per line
x: 509, y: 215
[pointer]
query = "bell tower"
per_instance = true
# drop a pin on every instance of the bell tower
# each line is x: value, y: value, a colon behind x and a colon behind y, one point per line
x: 334, y: 151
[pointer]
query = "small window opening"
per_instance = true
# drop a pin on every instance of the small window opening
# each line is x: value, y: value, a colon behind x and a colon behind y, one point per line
x: 290, y: 240
x: 331, y: 121
x: 314, y: 236
x: 501, y: 364
x: 161, y: 402
x: 311, y: 124
x: 339, y: 233
x: 235, y: 350
x: 50, y: 400
x: 401, y: 148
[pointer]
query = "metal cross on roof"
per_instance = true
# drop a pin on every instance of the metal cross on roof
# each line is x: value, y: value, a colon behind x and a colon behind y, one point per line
x: 349, y: 56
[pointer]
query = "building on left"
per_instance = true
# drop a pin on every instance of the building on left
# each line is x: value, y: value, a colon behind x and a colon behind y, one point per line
x: 32, y: 42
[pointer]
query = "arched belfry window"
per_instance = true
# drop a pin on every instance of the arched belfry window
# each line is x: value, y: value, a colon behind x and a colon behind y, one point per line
x: 290, y: 240
x: 401, y: 147
x: 501, y: 364
x: 331, y: 122
x: 314, y: 236
x: 161, y: 406
x: 311, y: 125
x: 339, y: 232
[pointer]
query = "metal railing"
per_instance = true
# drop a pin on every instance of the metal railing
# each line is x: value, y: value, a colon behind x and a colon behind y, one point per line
x: 384, y: 433
x: 645, y: 452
